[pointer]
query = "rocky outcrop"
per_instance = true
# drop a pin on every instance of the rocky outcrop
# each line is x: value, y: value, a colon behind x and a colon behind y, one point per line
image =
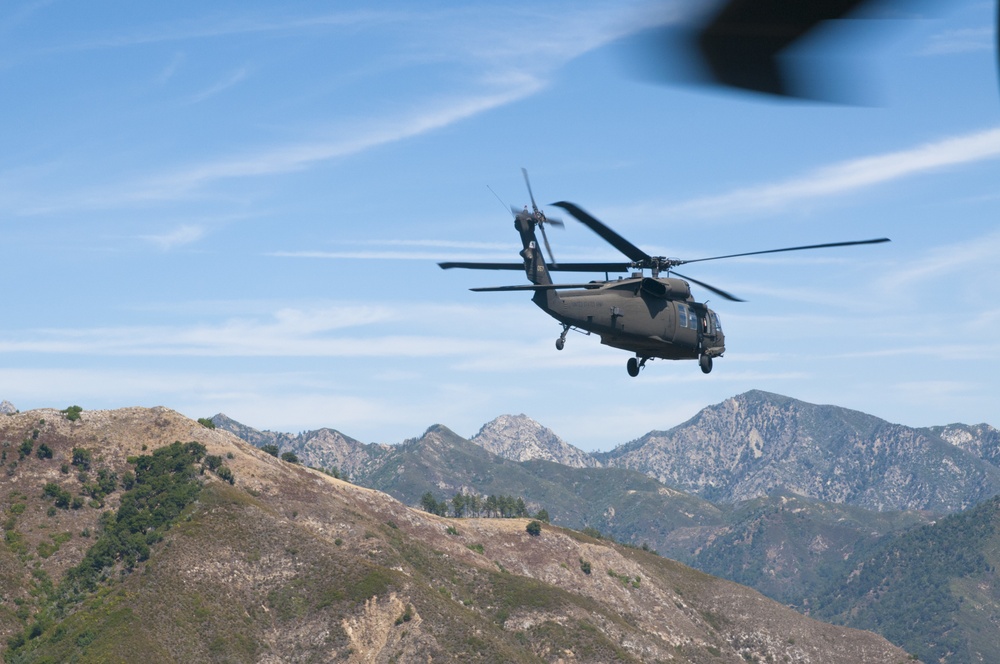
x: 980, y: 440
x: 7, y: 408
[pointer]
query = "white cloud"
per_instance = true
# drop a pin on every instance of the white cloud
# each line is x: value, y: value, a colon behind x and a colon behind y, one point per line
x: 178, y: 237
x: 968, y: 256
x: 846, y: 177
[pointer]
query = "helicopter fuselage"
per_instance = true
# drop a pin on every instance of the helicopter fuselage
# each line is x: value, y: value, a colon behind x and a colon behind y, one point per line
x: 650, y: 317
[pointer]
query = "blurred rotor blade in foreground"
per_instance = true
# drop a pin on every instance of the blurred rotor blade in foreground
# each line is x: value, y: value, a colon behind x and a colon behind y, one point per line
x: 784, y: 48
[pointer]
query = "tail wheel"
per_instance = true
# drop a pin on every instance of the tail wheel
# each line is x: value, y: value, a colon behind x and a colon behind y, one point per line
x: 632, y: 367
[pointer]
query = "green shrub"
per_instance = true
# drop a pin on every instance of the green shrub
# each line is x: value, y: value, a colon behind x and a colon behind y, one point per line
x: 534, y: 528
x: 290, y: 457
x: 72, y: 413
x: 62, y: 496
x: 226, y: 474
x: 81, y: 458
x: 206, y: 422
x: 270, y: 449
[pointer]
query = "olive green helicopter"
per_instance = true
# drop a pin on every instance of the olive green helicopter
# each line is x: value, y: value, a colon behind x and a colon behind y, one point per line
x: 652, y: 316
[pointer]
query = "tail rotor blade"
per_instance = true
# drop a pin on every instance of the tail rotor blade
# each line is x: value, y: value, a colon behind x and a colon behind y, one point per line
x: 548, y: 247
x: 524, y: 171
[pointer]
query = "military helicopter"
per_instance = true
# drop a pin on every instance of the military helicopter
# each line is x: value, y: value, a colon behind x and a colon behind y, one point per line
x: 652, y: 316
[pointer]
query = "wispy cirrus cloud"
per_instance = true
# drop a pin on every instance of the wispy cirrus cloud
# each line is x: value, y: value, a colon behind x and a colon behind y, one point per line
x: 317, y: 331
x: 971, y: 256
x: 189, y: 181
x: 180, y: 236
x: 504, y: 60
x: 226, y: 83
x: 846, y: 177
x: 442, y: 250
x: 213, y: 28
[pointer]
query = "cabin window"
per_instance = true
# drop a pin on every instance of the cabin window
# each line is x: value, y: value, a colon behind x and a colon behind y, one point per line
x: 718, y: 325
x: 682, y: 317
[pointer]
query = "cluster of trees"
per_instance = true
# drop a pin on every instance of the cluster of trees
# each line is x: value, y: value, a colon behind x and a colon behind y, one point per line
x: 165, y: 483
x: 290, y: 457
x: 472, y: 505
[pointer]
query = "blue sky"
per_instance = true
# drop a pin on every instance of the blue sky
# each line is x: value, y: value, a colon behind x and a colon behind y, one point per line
x: 238, y: 207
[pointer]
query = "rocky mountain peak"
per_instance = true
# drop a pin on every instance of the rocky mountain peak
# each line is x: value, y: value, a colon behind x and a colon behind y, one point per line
x: 520, y: 438
x: 755, y: 443
x: 7, y: 408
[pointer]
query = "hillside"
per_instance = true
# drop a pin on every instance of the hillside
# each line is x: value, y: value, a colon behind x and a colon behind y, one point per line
x: 755, y: 443
x: 791, y: 548
x: 290, y: 564
x: 933, y: 590
x: 622, y: 503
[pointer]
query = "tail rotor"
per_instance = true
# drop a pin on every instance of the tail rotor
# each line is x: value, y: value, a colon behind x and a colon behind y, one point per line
x: 539, y: 218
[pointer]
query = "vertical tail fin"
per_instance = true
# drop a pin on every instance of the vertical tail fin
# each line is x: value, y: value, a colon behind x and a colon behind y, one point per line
x: 534, y: 259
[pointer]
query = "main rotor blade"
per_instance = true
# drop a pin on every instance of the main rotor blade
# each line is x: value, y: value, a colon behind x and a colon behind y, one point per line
x: 536, y: 287
x: 611, y: 237
x: 717, y: 291
x: 561, y: 267
x: 742, y: 45
x: 591, y: 267
x: 775, y: 251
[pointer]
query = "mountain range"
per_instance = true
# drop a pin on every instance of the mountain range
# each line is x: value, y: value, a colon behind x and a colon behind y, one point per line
x: 744, y: 448
x: 139, y: 534
x: 769, y: 491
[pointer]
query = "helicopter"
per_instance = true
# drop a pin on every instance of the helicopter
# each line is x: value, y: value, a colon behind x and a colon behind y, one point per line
x: 652, y: 316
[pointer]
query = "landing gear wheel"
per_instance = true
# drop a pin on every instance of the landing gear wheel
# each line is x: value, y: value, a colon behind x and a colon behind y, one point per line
x: 706, y: 364
x: 632, y: 367
x: 561, y: 341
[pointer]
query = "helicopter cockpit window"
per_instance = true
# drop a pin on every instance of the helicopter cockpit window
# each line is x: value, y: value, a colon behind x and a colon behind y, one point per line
x: 682, y: 318
x: 718, y: 325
